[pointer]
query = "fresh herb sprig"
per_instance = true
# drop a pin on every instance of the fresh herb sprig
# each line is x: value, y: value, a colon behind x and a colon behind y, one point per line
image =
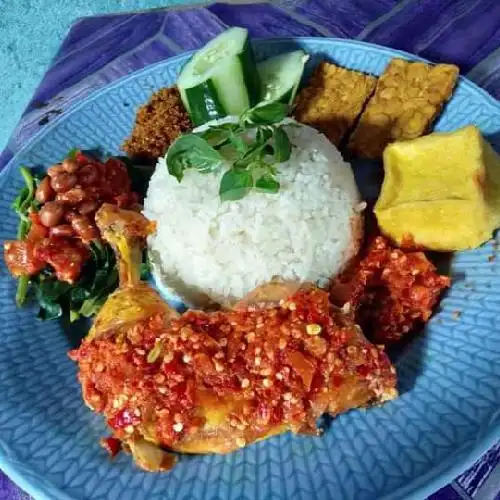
x: 253, y: 161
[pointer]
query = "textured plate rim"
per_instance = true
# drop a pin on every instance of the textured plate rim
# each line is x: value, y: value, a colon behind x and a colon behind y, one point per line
x: 30, y: 480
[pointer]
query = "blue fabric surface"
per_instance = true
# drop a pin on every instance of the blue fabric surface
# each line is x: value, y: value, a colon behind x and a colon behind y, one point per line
x: 31, y: 32
x: 466, y: 32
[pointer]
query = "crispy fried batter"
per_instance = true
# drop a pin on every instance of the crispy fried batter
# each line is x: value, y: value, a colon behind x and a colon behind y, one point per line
x: 213, y: 382
x: 333, y: 100
x: 158, y: 123
x: 408, y: 97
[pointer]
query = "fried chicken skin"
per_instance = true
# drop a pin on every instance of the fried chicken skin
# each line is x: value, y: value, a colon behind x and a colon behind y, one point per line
x: 213, y: 382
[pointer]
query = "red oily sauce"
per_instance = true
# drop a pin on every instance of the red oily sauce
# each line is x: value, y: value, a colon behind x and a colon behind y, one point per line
x: 389, y: 291
x: 274, y: 365
x: 81, y: 186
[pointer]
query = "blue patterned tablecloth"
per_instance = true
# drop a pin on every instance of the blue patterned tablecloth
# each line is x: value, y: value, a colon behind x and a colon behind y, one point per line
x: 98, y: 50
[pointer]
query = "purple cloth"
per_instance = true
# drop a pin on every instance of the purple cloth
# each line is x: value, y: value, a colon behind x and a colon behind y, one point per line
x: 102, y: 49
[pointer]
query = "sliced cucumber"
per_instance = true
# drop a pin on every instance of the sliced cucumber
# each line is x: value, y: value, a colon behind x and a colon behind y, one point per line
x: 221, y: 78
x: 280, y: 76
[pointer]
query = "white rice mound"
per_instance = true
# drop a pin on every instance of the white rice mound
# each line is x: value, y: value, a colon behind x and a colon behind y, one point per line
x: 206, y: 250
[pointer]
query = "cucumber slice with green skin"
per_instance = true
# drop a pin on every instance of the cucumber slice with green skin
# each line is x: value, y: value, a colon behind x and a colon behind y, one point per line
x: 221, y: 79
x: 280, y: 76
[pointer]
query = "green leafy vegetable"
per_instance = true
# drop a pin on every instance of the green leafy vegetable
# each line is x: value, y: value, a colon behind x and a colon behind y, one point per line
x: 192, y: 151
x: 139, y: 174
x: 253, y: 155
x: 264, y: 134
x: 23, y: 228
x: 99, y: 275
x: 219, y: 135
x: 235, y: 184
x: 251, y: 147
x: 23, y: 203
x: 22, y: 290
x: 267, y: 184
x: 145, y: 266
x: 49, y: 292
x: 84, y: 298
x: 282, y: 145
x: 267, y: 114
x: 29, y: 191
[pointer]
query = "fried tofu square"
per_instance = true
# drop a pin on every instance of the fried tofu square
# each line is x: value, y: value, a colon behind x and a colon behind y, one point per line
x: 408, y: 98
x: 333, y: 100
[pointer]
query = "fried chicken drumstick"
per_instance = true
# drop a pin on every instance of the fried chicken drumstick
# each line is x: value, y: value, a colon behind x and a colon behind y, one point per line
x: 215, y: 382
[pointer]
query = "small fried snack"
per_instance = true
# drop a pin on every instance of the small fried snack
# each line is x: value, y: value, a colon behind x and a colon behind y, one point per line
x: 157, y: 124
x: 408, y: 98
x: 333, y: 100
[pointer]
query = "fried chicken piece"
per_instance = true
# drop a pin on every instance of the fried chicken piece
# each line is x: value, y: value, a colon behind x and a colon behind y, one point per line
x: 333, y: 100
x: 213, y: 382
x: 408, y: 98
x: 390, y: 291
x: 158, y: 123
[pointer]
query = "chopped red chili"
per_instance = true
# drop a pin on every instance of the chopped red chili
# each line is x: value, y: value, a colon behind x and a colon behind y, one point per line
x: 390, y: 291
x: 267, y: 362
x: 111, y: 445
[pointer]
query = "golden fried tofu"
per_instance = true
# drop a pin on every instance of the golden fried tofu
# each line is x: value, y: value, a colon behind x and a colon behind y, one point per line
x: 441, y: 191
x: 408, y: 98
x: 333, y: 100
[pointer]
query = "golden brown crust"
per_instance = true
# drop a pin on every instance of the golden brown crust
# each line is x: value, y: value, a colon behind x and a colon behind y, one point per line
x: 333, y: 100
x: 408, y: 98
x: 158, y: 123
x: 215, y: 382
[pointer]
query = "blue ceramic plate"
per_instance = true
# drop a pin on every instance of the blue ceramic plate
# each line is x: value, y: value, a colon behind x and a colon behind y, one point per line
x: 447, y: 415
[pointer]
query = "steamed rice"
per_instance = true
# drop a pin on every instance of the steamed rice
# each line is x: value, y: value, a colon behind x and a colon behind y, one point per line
x: 205, y: 249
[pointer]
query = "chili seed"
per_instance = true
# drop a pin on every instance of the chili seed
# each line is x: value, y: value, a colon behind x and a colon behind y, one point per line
x: 313, y: 329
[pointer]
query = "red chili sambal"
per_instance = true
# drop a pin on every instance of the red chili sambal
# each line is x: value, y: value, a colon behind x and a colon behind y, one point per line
x: 389, y: 291
x: 259, y: 371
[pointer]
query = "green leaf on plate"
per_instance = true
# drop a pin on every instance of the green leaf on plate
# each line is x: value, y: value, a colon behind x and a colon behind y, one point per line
x: 267, y: 184
x: 192, y: 151
x: 235, y: 184
x: 267, y: 114
x: 282, y: 145
x: 263, y: 134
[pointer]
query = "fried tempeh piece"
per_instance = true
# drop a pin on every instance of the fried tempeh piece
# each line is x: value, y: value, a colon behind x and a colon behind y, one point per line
x: 408, y: 98
x: 333, y: 100
x: 157, y: 124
